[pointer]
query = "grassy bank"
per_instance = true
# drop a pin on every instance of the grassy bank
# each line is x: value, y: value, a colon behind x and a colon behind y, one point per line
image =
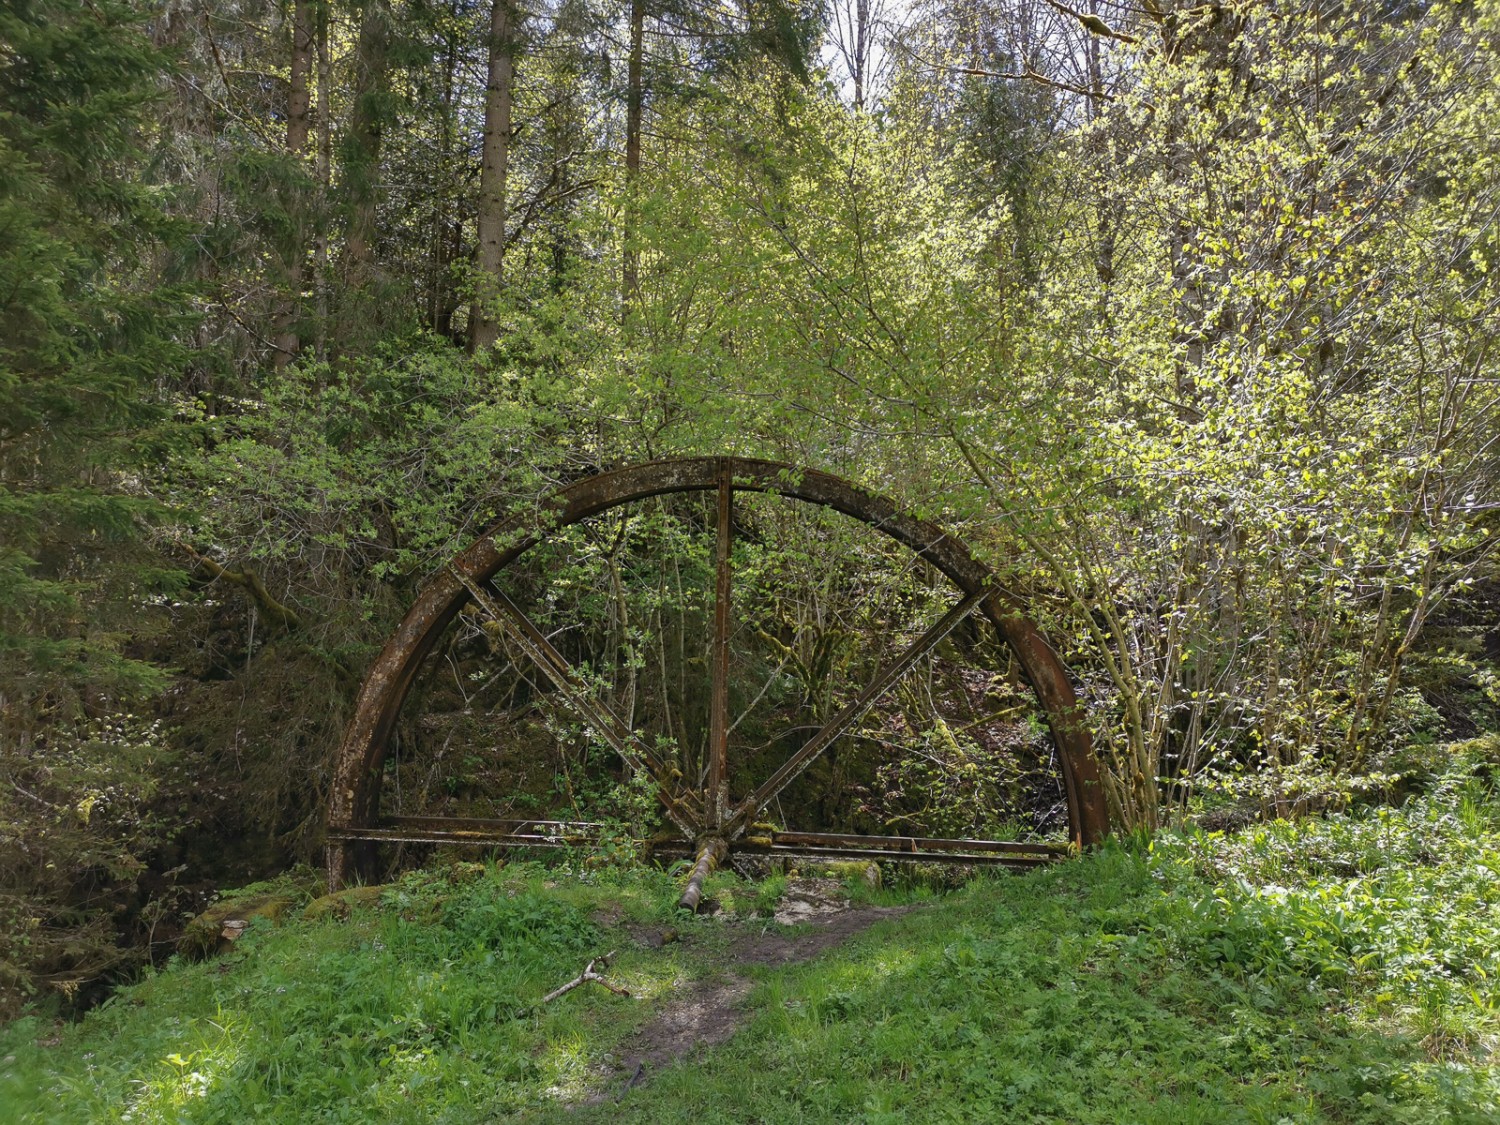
x: 1335, y: 969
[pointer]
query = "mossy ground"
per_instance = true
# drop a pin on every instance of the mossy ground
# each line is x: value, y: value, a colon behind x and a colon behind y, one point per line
x: 1336, y: 969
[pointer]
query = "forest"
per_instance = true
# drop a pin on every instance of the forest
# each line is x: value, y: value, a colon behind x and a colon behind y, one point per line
x: 1184, y: 317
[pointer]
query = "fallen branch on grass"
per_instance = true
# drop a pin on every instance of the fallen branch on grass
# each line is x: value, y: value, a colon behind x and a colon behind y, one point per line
x: 582, y: 978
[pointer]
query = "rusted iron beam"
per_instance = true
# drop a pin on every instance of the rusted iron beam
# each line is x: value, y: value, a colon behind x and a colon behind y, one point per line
x: 477, y: 823
x: 496, y: 839
x: 476, y: 827
x: 711, y: 853
x: 481, y: 832
x: 487, y: 838
x: 355, y: 793
x: 877, y: 855
x: 915, y: 843
x: 579, y: 697
x: 751, y: 806
x: 718, y: 703
x: 1019, y: 861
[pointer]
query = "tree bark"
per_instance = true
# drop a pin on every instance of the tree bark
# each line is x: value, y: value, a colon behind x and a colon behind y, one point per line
x: 324, y: 173
x: 635, y: 99
x: 278, y: 613
x: 437, y: 250
x: 484, y: 329
x: 298, y: 114
x: 366, y: 128
x: 299, y: 103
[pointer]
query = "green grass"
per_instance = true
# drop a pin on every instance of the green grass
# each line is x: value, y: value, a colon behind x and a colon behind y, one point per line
x: 1339, y: 969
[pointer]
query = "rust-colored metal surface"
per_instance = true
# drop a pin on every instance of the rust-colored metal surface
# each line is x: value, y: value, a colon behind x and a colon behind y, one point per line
x: 906, y: 849
x: 850, y: 715
x: 1016, y: 861
x: 806, y: 845
x: 595, y: 712
x: 354, y: 820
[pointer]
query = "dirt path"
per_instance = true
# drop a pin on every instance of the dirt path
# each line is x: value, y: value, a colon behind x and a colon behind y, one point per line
x: 710, y: 1012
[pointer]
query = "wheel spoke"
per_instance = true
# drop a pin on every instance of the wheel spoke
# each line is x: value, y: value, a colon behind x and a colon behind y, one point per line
x: 578, y: 696
x: 845, y: 719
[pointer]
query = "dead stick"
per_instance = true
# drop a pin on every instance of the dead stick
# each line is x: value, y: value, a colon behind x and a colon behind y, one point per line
x: 587, y: 976
x: 634, y: 1078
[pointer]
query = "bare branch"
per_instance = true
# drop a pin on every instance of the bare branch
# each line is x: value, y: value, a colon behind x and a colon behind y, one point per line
x: 1094, y: 24
x: 588, y: 976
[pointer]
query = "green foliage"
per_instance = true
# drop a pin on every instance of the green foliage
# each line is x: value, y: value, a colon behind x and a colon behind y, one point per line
x: 1201, y: 368
x: 1334, y: 969
x: 628, y: 814
x: 379, y: 462
x: 1221, y: 478
x: 410, y: 1012
x: 1261, y: 362
x: 81, y: 814
x: 81, y: 330
x: 941, y: 782
x: 86, y: 323
x: 1195, y: 346
x: 1338, y: 969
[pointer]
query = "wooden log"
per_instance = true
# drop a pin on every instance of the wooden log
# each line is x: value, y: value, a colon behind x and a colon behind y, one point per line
x: 710, y: 855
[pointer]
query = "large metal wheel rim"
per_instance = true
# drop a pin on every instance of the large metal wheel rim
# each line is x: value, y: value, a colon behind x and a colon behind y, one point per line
x: 355, y: 796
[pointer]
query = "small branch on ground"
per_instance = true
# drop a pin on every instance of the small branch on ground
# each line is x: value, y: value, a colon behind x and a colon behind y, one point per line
x: 640, y: 1068
x: 588, y: 975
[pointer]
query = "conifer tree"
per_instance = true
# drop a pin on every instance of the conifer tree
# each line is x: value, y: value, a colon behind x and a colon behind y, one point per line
x: 83, y: 341
x: 80, y: 341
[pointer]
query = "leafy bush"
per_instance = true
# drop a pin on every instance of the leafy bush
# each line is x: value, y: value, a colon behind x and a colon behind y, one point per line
x: 80, y: 815
x: 1331, y: 969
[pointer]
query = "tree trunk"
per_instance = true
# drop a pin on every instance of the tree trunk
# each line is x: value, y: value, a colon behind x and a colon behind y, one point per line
x: 366, y: 127
x: 324, y: 172
x: 437, y: 250
x: 298, y: 113
x: 484, y: 329
x: 299, y: 103
x: 634, y: 104
x: 861, y: 49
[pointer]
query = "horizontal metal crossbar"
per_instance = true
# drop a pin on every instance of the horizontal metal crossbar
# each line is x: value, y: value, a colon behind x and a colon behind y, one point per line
x: 804, y: 845
x: 1022, y: 861
x: 397, y: 821
x: 913, y: 843
x: 473, y: 830
x: 449, y: 836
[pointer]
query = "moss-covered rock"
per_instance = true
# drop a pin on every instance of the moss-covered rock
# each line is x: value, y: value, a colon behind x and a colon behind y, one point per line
x: 220, y: 926
x: 853, y: 871
x: 341, y: 904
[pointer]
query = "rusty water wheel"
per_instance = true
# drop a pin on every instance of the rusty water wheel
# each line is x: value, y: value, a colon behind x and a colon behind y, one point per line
x: 711, y: 821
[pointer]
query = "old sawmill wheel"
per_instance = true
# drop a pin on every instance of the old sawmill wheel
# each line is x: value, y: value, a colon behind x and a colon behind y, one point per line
x: 710, y: 819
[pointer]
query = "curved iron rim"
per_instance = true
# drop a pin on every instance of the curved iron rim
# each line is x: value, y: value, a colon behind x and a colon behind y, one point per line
x: 355, y: 797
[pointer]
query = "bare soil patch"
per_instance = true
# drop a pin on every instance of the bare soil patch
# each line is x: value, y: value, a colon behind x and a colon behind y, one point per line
x: 708, y: 1013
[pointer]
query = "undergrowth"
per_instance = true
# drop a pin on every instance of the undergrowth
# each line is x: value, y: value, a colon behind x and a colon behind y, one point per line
x: 1334, y: 969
